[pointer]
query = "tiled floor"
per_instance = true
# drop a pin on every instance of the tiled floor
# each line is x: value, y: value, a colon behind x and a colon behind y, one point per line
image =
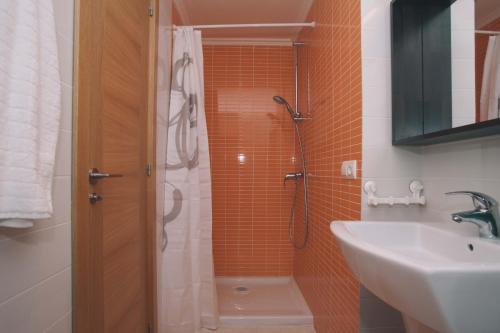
x: 262, y: 329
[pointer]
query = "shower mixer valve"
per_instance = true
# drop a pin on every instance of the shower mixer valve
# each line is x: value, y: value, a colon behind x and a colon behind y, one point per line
x: 292, y: 176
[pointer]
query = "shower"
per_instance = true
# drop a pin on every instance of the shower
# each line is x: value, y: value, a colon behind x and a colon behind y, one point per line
x: 297, y: 117
x: 295, y: 176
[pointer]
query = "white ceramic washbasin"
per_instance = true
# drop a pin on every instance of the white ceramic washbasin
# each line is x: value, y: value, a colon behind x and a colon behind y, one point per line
x: 443, y: 279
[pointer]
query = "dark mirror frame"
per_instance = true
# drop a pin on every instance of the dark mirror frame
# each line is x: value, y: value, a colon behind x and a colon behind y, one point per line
x: 421, y: 76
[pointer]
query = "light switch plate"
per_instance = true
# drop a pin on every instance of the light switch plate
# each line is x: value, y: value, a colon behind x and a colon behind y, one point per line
x: 349, y: 169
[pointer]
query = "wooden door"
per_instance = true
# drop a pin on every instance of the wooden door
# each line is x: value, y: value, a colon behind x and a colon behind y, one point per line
x: 113, y: 277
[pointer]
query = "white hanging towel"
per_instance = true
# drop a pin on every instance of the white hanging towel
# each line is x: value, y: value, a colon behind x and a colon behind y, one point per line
x: 30, y: 107
x: 490, y: 91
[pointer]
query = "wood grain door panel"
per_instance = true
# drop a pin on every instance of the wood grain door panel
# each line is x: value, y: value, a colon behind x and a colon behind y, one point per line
x: 112, y: 277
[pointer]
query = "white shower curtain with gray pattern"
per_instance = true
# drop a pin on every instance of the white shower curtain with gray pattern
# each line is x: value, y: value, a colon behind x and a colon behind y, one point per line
x: 188, y: 281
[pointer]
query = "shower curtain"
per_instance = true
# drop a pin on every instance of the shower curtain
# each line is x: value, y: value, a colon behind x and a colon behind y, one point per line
x: 188, y: 275
x: 490, y: 91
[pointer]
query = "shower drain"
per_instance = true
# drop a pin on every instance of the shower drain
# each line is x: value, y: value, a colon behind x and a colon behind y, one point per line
x: 241, y: 290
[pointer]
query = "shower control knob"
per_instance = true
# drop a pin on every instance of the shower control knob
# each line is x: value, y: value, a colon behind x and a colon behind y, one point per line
x: 292, y: 176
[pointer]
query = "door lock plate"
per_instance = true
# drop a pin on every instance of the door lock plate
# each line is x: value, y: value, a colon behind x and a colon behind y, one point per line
x: 94, y: 198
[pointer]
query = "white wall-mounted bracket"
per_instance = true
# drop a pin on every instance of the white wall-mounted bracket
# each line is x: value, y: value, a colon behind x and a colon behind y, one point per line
x: 416, y: 198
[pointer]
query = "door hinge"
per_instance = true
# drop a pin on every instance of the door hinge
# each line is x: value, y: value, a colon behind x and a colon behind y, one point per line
x: 150, y: 327
x: 149, y: 170
x: 151, y: 10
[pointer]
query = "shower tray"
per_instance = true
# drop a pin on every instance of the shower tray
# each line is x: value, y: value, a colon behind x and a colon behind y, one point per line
x: 261, y: 301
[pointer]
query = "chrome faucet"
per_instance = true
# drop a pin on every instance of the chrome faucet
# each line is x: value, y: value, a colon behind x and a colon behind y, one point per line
x: 485, y: 214
x: 292, y: 176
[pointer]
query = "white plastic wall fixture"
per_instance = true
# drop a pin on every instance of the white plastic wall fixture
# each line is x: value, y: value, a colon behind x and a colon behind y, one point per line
x: 416, y: 198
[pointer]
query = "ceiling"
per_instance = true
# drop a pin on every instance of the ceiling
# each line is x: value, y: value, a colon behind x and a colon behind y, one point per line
x: 486, y: 11
x: 201, y: 12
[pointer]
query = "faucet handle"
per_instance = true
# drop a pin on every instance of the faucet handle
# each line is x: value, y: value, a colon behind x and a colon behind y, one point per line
x: 480, y: 200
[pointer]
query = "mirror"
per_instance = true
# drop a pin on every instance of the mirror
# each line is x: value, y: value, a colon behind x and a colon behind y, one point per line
x: 475, y: 27
x: 487, y: 60
x: 445, y: 70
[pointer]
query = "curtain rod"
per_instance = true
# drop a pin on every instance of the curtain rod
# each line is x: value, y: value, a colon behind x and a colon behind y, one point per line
x: 486, y: 32
x: 257, y: 25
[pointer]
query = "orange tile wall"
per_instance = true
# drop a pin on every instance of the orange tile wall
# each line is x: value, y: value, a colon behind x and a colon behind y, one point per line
x: 251, y: 148
x: 481, y: 46
x: 331, y: 60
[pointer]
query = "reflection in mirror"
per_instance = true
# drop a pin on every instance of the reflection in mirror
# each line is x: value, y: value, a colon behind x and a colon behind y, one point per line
x: 475, y: 29
x: 487, y: 59
x: 462, y: 62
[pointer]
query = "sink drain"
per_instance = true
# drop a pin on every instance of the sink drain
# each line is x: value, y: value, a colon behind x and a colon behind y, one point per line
x: 241, y: 290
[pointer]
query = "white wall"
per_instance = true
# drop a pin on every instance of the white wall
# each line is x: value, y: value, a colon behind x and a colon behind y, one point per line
x: 35, y: 273
x: 470, y: 165
x: 447, y: 167
x: 392, y: 168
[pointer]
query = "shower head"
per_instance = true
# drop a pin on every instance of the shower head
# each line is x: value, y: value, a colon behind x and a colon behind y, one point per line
x: 280, y: 100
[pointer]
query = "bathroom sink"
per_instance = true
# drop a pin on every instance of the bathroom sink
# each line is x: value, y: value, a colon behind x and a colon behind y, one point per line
x: 447, y: 280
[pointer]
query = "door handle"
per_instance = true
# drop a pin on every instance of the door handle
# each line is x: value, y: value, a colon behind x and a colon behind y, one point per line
x: 95, y: 175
